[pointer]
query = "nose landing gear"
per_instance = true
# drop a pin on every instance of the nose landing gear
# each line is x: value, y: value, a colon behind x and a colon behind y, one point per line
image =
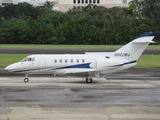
x: 26, y: 79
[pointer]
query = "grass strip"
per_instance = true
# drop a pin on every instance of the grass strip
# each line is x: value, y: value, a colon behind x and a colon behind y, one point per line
x: 144, y: 61
x: 149, y: 61
x: 7, y: 59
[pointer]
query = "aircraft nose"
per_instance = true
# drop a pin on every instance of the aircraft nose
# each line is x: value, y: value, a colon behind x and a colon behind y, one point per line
x: 8, y: 68
x: 12, y: 67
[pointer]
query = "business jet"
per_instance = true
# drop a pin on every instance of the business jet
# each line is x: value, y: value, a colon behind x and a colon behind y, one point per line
x: 88, y: 65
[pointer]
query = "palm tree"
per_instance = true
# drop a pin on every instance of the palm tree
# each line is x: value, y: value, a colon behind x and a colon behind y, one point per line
x: 48, y: 5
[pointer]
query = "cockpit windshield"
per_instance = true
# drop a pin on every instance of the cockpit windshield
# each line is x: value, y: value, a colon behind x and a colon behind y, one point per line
x: 25, y: 59
x: 28, y: 59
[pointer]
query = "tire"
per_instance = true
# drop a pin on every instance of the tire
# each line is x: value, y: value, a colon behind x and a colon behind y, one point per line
x: 26, y: 80
x: 88, y: 80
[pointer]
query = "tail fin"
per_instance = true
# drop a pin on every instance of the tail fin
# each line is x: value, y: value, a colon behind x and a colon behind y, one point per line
x: 133, y: 50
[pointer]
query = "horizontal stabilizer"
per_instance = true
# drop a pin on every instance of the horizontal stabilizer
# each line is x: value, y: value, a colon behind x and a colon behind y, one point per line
x: 143, y: 42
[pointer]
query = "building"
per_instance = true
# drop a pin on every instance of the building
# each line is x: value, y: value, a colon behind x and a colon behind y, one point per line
x: 33, y: 2
x: 65, y: 5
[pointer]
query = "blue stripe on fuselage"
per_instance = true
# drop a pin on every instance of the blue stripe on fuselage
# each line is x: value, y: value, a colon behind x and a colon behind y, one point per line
x: 124, y: 63
x: 85, y: 65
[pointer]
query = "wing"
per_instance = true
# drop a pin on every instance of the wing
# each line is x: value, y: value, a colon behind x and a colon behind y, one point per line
x: 79, y: 72
x: 74, y: 70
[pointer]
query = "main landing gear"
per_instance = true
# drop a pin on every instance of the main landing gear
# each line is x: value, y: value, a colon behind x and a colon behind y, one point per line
x: 26, y: 80
x: 88, y: 80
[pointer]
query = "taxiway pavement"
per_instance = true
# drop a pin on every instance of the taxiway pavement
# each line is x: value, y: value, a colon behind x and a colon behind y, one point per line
x: 49, y: 98
x: 62, y: 51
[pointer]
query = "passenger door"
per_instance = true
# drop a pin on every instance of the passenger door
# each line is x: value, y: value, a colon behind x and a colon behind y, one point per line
x: 42, y: 66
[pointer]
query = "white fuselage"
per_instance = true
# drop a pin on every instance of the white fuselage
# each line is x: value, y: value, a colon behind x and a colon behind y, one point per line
x: 71, y: 65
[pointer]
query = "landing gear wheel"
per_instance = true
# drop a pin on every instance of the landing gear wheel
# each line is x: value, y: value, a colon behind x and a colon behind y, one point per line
x: 88, y: 80
x: 26, y: 80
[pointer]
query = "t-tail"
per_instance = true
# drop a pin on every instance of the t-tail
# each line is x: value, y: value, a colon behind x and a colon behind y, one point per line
x: 133, y: 50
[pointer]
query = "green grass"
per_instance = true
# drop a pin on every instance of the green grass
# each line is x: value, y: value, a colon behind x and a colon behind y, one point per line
x: 69, y: 46
x: 6, y: 59
x: 144, y: 61
x: 149, y: 61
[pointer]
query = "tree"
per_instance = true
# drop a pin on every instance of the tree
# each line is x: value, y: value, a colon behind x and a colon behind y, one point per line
x: 24, y: 23
x: 48, y: 6
x: 133, y: 5
x: 16, y: 31
x: 13, y: 11
x: 150, y: 8
x: 52, y: 17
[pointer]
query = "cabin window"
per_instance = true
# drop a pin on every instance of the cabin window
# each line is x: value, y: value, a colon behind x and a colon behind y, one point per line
x: 71, y: 60
x: 77, y: 60
x: 55, y: 61
x: 60, y: 60
x: 29, y: 59
x: 65, y: 60
x: 83, y: 60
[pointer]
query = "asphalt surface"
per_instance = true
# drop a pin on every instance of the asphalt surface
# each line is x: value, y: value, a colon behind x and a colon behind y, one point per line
x: 48, y: 98
x: 63, y: 51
